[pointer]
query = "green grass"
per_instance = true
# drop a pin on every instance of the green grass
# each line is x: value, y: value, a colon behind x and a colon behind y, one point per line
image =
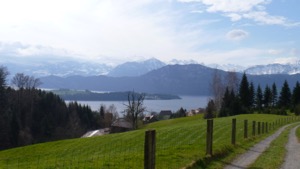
x: 274, y: 156
x: 298, y: 133
x: 180, y: 142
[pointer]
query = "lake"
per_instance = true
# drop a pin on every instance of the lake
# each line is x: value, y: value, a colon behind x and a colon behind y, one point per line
x: 187, y: 102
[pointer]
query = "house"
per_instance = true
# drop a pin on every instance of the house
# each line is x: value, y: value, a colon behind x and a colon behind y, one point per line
x: 121, y: 125
x: 165, y: 114
x: 150, y: 119
x: 195, y: 111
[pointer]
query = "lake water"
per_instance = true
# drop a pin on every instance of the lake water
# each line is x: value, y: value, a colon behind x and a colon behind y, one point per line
x: 187, y: 102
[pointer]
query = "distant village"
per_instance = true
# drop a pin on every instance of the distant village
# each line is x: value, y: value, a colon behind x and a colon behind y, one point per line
x: 123, y: 125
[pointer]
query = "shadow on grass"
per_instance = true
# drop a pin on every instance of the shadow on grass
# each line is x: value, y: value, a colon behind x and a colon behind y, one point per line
x: 220, y: 156
x: 217, y: 156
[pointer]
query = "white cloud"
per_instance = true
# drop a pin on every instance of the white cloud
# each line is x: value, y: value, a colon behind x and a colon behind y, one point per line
x: 245, y: 9
x: 234, y: 17
x: 101, y: 29
x: 264, y: 18
x: 237, y: 35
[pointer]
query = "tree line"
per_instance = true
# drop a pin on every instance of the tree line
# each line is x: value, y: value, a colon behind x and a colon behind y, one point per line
x: 233, y: 97
x: 29, y: 115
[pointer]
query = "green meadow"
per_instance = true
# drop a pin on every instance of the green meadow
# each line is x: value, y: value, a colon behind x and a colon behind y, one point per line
x: 180, y: 143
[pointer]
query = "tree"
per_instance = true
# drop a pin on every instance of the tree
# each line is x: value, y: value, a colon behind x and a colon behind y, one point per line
x: 4, y: 123
x: 285, y: 96
x: 258, y: 98
x: 22, y: 81
x: 3, y: 75
x: 180, y: 113
x: 217, y: 88
x: 296, y: 94
x: 274, y: 95
x: 102, y: 112
x: 267, y: 101
x: 210, y: 110
x: 230, y: 105
x: 244, y: 92
x: 135, y: 107
x: 232, y: 81
x: 251, y: 95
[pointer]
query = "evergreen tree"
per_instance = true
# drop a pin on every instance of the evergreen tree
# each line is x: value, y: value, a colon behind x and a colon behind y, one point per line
x: 252, y: 94
x: 258, y: 98
x: 224, y: 111
x: 274, y: 95
x: 244, y: 92
x: 231, y: 105
x: 296, y: 94
x: 267, y: 97
x: 210, y: 110
x: 285, y: 96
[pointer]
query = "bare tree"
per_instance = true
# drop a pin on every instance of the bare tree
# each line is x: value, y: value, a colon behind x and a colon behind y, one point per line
x: 135, y: 107
x: 21, y: 80
x: 218, y: 89
x: 232, y: 81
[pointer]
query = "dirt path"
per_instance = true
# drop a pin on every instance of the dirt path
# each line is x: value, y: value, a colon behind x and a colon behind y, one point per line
x: 251, y: 155
x: 293, y: 151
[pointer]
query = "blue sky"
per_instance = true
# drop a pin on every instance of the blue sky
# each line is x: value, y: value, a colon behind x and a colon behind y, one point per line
x: 241, y: 32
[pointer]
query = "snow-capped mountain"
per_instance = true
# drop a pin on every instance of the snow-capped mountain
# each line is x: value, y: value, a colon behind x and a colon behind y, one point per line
x: 59, y: 68
x: 136, y: 68
x: 227, y: 67
x: 181, y: 62
x: 289, y: 68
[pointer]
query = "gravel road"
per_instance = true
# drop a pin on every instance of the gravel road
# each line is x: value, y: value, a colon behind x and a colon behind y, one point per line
x: 244, y: 160
x: 293, y: 151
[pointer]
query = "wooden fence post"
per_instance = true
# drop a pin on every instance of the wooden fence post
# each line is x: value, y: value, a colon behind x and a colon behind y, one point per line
x: 149, y: 149
x: 267, y: 127
x: 262, y: 127
x: 233, y: 132
x: 253, y: 128
x: 209, y: 137
x: 258, y: 128
x: 245, y: 129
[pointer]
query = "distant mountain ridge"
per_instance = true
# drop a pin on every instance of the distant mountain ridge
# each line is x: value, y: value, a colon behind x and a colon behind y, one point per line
x: 136, y: 68
x: 291, y: 68
x: 63, y: 68
x: 193, y: 79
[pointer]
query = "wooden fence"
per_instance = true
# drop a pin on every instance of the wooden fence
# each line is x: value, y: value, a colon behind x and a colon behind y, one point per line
x: 258, y: 128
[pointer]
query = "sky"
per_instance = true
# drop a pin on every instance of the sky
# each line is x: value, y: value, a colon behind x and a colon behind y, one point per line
x: 240, y: 32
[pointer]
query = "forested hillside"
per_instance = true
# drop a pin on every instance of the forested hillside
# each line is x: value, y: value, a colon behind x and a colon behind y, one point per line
x: 29, y: 115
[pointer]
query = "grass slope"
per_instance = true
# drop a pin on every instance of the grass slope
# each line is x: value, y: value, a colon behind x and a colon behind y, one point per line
x: 179, y: 143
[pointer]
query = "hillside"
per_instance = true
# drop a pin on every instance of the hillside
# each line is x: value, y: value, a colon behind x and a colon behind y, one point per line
x: 87, y: 95
x: 179, y: 142
x: 191, y: 79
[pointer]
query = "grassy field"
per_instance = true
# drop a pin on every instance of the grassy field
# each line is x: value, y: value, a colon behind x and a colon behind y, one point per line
x: 180, y: 142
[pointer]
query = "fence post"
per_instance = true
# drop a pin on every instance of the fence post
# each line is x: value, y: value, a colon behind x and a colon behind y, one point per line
x: 253, y: 128
x: 209, y: 137
x: 149, y: 149
x: 263, y: 127
x: 245, y: 129
x: 258, y: 128
x: 233, y: 131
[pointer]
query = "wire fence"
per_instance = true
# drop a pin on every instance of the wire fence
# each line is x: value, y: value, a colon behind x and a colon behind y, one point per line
x: 175, y: 148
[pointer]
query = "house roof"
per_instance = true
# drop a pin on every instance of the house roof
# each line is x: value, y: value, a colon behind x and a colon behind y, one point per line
x: 122, y: 123
x: 165, y: 113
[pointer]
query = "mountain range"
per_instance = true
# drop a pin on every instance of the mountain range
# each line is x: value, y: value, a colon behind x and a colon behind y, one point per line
x: 42, y: 68
x: 192, y: 79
